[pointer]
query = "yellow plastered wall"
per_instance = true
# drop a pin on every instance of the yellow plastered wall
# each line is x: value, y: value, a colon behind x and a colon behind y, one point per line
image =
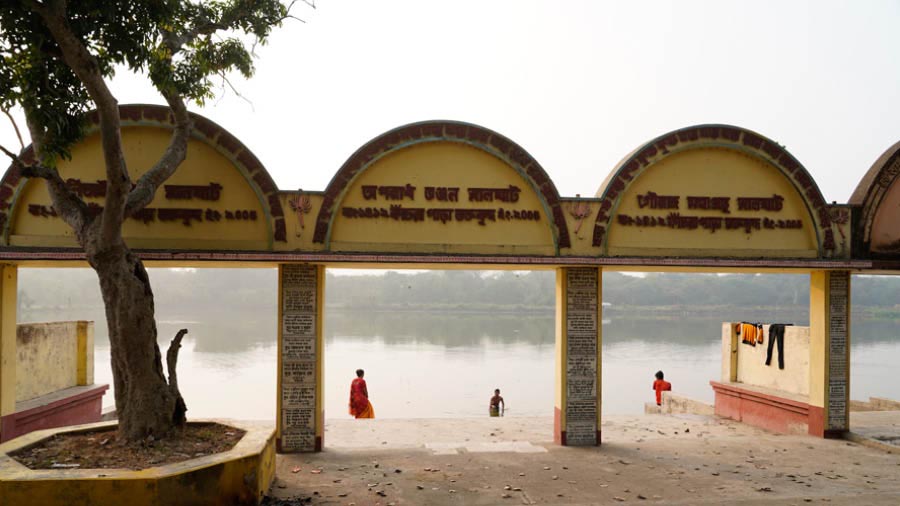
x: 280, y: 356
x: 729, y: 353
x: 85, y: 367
x: 712, y: 172
x: 142, y: 147
x: 320, y: 353
x: 442, y: 164
x: 8, y: 287
x: 560, y: 366
x: 49, y: 358
x: 818, y: 335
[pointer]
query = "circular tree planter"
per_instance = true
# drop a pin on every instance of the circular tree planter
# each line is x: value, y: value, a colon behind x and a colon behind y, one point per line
x: 241, y: 475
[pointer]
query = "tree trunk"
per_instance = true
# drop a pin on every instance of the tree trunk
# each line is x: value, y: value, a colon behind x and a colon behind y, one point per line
x: 145, y: 403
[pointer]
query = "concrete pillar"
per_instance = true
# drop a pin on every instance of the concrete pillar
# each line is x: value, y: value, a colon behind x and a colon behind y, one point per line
x: 301, y: 414
x: 576, y: 417
x: 8, y: 287
x: 829, y: 353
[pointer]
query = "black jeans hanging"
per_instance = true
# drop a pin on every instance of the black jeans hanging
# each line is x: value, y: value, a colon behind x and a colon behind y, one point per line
x: 776, y: 333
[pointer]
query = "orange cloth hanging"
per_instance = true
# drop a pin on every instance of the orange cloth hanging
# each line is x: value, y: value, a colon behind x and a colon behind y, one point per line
x: 748, y: 333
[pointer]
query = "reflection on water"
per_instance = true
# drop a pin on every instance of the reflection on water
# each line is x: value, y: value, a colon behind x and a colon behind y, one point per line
x: 447, y: 364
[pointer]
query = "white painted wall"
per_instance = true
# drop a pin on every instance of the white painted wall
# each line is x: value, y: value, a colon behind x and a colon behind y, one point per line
x: 751, y: 361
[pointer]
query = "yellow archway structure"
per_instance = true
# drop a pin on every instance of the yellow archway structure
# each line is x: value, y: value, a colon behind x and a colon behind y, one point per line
x: 447, y: 194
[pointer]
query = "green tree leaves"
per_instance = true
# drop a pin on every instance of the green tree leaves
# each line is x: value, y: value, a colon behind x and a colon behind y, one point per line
x: 183, y: 47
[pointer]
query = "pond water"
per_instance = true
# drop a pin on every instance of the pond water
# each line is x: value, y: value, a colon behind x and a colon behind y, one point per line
x: 432, y: 364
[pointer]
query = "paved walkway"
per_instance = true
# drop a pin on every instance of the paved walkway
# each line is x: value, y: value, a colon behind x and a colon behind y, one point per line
x: 653, y: 459
x: 880, y: 426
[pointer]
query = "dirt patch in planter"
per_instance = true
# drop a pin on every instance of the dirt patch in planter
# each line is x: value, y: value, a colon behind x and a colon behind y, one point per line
x: 102, y: 449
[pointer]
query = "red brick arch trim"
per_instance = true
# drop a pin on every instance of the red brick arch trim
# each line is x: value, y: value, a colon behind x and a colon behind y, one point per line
x: 204, y: 130
x: 871, y: 191
x: 723, y: 136
x: 443, y: 131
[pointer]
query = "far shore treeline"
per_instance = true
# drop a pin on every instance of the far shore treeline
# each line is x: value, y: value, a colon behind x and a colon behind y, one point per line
x: 206, y: 290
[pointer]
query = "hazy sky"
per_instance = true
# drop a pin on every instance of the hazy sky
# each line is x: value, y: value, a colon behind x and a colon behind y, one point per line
x: 577, y: 84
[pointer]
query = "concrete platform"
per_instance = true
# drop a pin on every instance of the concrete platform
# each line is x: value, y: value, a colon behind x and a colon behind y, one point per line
x: 651, y: 459
x: 880, y: 429
x: 238, y: 476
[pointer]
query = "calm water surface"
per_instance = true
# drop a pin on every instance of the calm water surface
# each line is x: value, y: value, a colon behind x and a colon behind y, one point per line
x: 447, y: 365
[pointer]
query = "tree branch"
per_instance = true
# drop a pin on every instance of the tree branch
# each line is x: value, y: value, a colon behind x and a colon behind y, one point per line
x: 146, y: 187
x: 226, y: 81
x: 15, y: 127
x: 12, y: 156
x: 177, y: 41
x: 310, y: 3
x: 87, y: 69
x: 172, y: 357
x: 70, y: 207
x: 178, y: 416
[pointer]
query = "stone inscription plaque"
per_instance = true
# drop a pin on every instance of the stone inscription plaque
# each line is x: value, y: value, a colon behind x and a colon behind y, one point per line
x: 298, y: 347
x: 298, y: 275
x: 298, y: 441
x: 581, y: 433
x: 299, y: 286
x: 299, y: 371
x: 300, y: 300
x: 299, y: 417
x: 839, y: 288
x: 294, y: 396
x: 300, y: 325
x: 581, y: 356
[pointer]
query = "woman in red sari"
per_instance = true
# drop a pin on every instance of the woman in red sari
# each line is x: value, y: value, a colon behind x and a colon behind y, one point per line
x: 360, y: 407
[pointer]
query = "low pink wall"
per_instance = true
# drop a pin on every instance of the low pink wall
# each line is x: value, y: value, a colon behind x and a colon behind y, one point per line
x: 83, y: 407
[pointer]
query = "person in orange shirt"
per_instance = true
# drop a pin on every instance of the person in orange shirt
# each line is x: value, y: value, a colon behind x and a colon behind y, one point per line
x: 661, y: 385
x: 360, y: 407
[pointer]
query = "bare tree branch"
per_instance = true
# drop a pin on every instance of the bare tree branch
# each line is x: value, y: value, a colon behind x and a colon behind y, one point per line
x: 178, y: 416
x: 12, y: 156
x: 234, y: 90
x: 146, y: 187
x: 310, y: 3
x: 15, y: 127
x: 172, y: 358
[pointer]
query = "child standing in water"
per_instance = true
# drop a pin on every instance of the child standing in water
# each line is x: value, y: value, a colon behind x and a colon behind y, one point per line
x: 496, y: 402
x: 661, y: 385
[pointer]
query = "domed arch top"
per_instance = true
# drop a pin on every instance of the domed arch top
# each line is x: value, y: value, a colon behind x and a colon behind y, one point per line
x: 483, y: 171
x: 220, y: 198
x: 877, y: 230
x: 735, y: 184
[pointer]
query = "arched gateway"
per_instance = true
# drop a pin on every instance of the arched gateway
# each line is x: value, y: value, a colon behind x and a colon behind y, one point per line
x: 711, y: 198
